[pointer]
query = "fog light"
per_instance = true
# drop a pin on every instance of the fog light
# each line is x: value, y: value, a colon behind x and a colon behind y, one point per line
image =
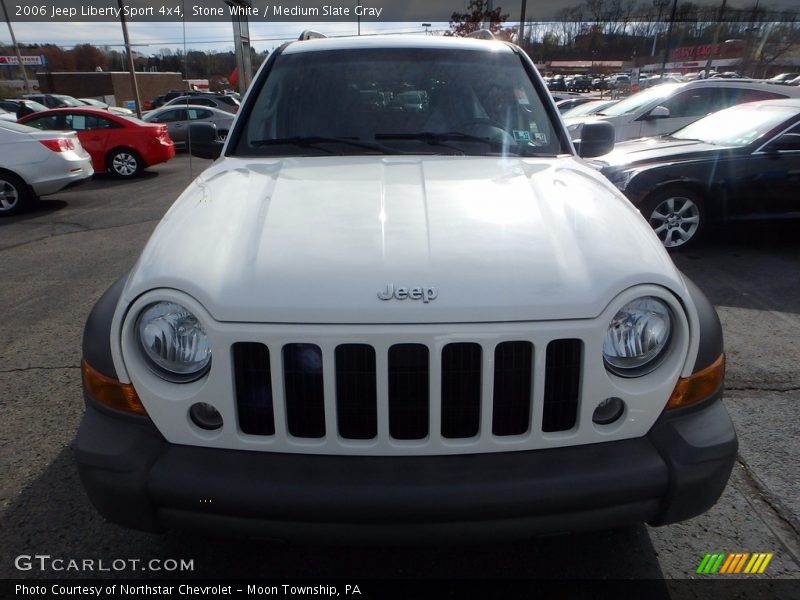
x: 608, y: 411
x: 205, y: 416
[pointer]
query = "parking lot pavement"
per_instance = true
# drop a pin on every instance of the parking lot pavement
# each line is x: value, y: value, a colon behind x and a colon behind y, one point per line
x: 56, y: 262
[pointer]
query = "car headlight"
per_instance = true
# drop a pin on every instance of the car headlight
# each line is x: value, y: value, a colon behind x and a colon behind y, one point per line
x: 637, y: 337
x: 174, y: 342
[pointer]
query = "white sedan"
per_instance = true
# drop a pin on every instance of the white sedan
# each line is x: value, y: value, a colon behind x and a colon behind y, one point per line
x: 36, y: 163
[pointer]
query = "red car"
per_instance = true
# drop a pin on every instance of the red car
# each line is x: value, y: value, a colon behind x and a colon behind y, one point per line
x: 122, y: 145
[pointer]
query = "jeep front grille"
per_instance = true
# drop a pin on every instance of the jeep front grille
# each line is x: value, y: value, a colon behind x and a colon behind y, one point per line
x: 453, y: 408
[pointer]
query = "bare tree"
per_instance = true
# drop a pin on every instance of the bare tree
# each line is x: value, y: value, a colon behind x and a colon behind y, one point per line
x: 477, y: 15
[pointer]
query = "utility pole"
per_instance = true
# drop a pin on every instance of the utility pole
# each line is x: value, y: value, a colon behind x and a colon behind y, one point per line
x: 16, y: 48
x: 716, y: 36
x: 131, y: 66
x: 669, y: 37
x: 521, y: 35
x: 241, y: 42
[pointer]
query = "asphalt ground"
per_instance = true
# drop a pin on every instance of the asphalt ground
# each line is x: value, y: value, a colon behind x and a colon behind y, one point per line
x: 55, y: 263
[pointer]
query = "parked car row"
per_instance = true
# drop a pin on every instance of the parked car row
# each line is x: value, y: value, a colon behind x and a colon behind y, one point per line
x: 668, y: 107
x: 739, y: 163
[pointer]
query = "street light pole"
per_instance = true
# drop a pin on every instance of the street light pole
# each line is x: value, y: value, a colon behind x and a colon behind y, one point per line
x: 131, y: 67
x: 16, y: 48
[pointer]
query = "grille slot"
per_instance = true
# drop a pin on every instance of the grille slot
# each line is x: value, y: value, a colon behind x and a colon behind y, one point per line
x: 302, y: 377
x: 356, y: 392
x: 513, y: 368
x: 408, y: 391
x: 561, y: 385
x: 461, y: 390
x: 253, y: 378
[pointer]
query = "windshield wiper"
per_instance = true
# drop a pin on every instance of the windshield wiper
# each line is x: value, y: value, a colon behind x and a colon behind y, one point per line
x: 441, y: 139
x: 309, y: 141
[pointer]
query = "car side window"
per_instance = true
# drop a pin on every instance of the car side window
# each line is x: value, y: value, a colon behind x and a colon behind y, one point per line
x: 102, y: 123
x: 50, y: 122
x: 197, y: 114
x: 690, y: 103
x: 756, y: 96
x: 788, y: 141
x: 169, y: 116
x: 77, y: 122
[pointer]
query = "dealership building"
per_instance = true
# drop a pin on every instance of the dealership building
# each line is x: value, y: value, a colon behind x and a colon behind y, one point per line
x: 114, y: 87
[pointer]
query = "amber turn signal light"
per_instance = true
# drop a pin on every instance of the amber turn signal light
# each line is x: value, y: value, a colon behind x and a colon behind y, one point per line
x: 698, y: 386
x: 109, y: 391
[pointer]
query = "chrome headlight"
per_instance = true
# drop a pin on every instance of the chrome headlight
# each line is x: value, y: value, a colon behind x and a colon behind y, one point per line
x: 174, y: 342
x: 637, y: 337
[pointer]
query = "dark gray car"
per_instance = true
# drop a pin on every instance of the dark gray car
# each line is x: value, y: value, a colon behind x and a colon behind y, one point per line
x: 218, y: 101
x: 177, y: 119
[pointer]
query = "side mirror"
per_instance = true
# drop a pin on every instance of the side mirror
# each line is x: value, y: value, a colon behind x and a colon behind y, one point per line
x: 659, y: 112
x: 597, y: 139
x: 788, y: 142
x: 203, y: 142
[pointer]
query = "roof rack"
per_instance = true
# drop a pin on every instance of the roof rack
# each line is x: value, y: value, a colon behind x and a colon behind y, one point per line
x: 309, y: 34
x: 482, y: 34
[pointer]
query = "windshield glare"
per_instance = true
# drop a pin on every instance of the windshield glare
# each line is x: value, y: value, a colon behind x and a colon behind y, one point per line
x: 737, y: 126
x: 639, y: 100
x: 403, y: 100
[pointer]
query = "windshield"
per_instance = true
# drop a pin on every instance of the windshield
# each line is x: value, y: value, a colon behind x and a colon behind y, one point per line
x: 69, y: 101
x: 638, y: 101
x: 587, y: 108
x: 398, y: 101
x: 737, y: 126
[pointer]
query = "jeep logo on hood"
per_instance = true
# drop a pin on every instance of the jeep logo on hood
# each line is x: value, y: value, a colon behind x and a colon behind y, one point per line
x: 426, y: 294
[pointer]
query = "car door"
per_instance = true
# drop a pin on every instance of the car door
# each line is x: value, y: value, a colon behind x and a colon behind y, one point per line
x: 175, y: 120
x: 684, y: 107
x: 93, y: 133
x: 774, y: 175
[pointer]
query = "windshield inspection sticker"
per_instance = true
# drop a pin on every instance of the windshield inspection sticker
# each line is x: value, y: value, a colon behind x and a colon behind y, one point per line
x: 522, y: 136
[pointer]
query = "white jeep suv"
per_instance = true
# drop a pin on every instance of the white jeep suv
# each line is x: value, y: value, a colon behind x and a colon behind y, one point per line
x: 396, y: 321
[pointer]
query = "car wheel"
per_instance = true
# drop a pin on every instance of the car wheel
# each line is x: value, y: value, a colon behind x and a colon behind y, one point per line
x: 222, y: 135
x: 125, y: 163
x: 14, y: 194
x: 677, y: 216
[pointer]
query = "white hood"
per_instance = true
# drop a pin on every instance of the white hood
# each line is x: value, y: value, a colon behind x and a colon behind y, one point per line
x: 313, y: 240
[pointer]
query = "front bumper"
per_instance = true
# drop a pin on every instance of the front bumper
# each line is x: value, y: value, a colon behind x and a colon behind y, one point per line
x: 137, y: 479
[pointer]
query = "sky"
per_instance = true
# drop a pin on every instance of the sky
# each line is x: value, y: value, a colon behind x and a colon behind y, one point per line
x: 150, y: 38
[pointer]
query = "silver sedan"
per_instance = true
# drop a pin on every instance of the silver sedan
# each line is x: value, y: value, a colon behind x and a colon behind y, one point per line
x: 177, y: 119
x: 36, y: 163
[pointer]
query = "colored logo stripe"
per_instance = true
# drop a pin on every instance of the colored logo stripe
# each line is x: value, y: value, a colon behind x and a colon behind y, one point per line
x: 735, y: 562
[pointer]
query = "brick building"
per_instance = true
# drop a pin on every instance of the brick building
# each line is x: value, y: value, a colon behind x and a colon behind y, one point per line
x: 113, y: 86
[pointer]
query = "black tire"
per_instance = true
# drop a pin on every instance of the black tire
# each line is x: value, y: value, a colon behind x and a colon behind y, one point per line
x: 677, y: 215
x: 14, y: 195
x: 222, y: 135
x: 125, y: 163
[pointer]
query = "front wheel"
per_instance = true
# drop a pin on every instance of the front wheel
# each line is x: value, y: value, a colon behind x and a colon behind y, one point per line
x: 14, y: 195
x: 677, y: 216
x: 125, y: 163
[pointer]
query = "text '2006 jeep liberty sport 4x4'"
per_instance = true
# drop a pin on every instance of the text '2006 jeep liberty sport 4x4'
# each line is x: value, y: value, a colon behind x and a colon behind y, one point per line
x: 400, y: 307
